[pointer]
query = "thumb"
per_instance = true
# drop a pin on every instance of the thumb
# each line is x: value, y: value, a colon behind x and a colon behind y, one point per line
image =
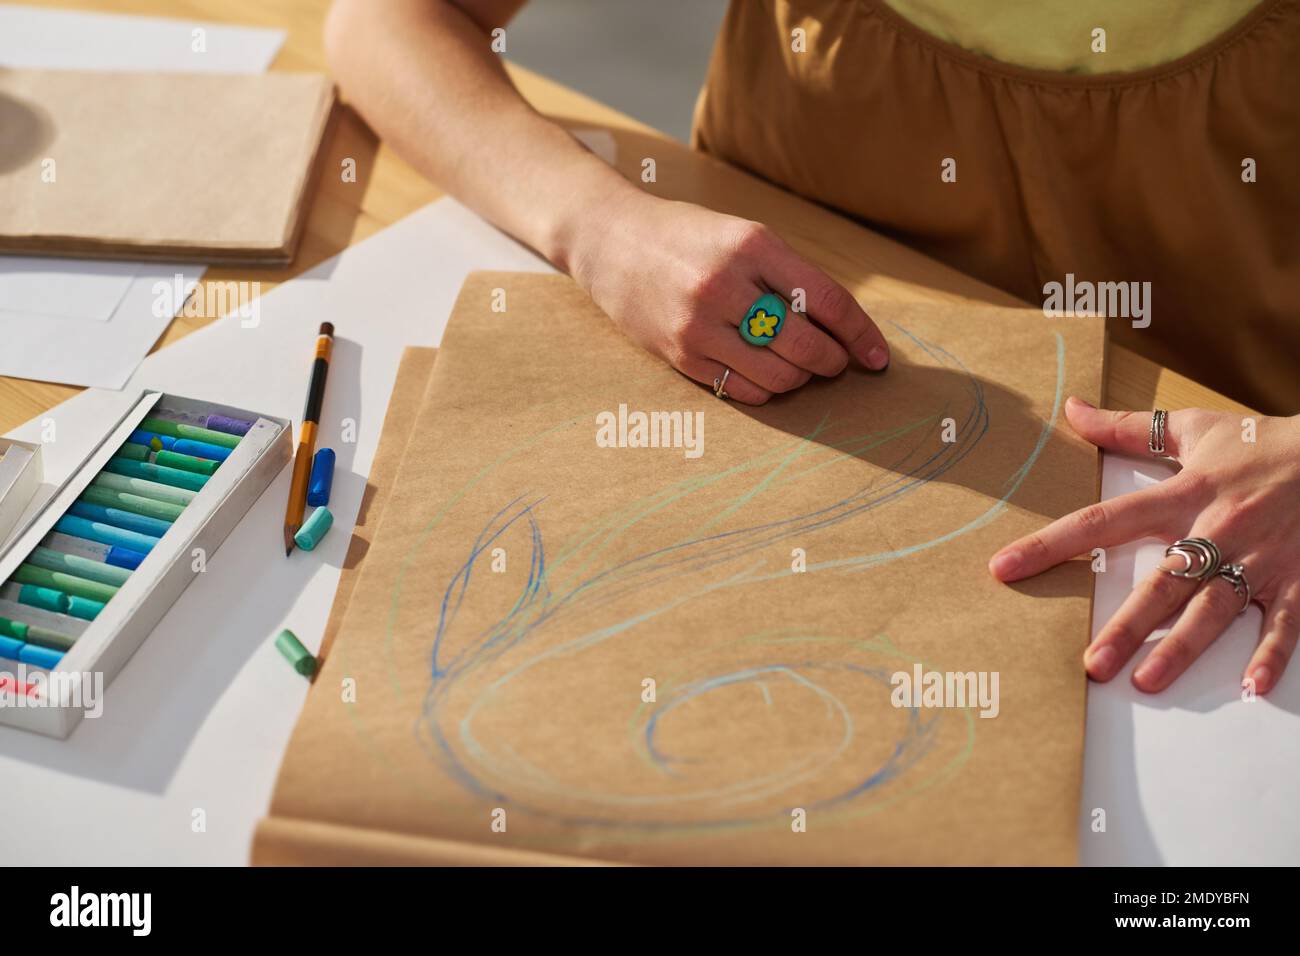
x: 1124, y: 432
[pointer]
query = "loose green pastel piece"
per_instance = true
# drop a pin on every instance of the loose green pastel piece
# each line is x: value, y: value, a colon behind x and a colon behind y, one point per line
x: 764, y: 320
x: 291, y: 648
x: 14, y: 629
x: 314, y: 528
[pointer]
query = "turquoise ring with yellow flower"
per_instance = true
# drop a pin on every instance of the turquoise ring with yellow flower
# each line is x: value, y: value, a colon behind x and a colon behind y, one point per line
x: 763, y: 320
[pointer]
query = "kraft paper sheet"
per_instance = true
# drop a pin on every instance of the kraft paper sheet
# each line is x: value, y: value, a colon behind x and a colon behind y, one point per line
x: 176, y: 167
x: 518, y: 694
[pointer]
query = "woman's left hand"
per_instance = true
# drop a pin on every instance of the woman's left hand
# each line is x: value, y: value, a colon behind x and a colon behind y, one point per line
x: 1242, y: 494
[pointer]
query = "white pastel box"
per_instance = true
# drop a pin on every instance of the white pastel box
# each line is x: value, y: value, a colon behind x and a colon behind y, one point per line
x: 107, y: 642
x: 20, y: 479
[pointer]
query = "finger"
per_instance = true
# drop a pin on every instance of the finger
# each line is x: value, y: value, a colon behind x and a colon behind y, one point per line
x: 799, y: 342
x: 1158, y: 596
x: 1208, y: 613
x: 1281, y: 628
x: 758, y: 364
x: 805, y: 345
x: 1126, y: 432
x: 739, y: 387
x: 827, y: 302
x: 1100, y: 525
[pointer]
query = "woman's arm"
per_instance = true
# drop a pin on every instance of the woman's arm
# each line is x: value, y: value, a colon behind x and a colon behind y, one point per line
x: 423, y: 74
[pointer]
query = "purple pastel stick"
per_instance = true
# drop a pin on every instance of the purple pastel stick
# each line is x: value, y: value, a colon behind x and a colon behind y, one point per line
x: 231, y: 426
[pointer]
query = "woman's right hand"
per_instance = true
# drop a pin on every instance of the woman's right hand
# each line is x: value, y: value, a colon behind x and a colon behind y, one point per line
x: 679, y: 278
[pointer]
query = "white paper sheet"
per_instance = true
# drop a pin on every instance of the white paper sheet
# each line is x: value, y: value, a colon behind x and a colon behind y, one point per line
x: 72, y: 40
x: 44, y: 309
x: 1193, y: 775
x: 65, y: 288
x: 201, y: 715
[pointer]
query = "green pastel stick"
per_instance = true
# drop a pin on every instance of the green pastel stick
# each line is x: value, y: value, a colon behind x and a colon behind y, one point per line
x: 159, y: 473
x: 172, y: 459
x: 144, y: 488
x: 15, y: 629
x: 62, y: 581
x: 84, y: 608
x: 291, y: 648
x: 181, y: 430
x: 134, y: 451
x: 44, y: 637
x: 138, y: 504
x: 75, y: 564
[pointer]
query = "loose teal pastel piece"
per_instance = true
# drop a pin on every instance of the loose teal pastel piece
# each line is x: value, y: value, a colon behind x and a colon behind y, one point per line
x: 764, y: 320
x: 313, y: 529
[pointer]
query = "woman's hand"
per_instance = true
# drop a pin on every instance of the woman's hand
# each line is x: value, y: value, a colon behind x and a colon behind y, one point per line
x: 679, y: 279
x: 1243, y: 495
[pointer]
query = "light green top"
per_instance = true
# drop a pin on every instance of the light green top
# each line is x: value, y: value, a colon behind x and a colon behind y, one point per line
x: 1059, y: 34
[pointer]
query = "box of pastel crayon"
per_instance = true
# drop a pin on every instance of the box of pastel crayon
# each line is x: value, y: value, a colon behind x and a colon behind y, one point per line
x: 97, y: 567
x: 20, y: 479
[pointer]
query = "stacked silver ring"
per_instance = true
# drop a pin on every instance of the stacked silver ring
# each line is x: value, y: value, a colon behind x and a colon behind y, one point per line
x: 720, y: 384
x: 1156, y: 437
x: 1235, y: 574
x: 1201, y: 555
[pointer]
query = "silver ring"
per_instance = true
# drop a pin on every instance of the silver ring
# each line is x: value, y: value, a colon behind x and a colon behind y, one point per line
x: 1156, y: 437
x: 1202, y: 557
x: 1235, y: 574
x: 720, y: 384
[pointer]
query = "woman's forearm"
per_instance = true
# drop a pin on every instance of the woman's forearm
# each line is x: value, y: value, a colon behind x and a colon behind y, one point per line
x: 424, y: 75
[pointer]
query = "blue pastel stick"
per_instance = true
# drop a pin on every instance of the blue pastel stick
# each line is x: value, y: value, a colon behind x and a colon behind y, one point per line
x: 322, y: 477
x: 37, y: 656
x: 200, y: 449
x: 11, y: 648
x: 140, y: 524
x: 140, y: 437
x: 105, y: 534
x: 84, y: 608
x: 123, y: 557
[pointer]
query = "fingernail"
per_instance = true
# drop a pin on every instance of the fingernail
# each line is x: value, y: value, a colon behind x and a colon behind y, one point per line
x: 1100, y: 663
x: 878, y: 358
x: 1004, y: 564
x: 1152, y: 669
x: 1261, y: 677
x: 1079, y: 401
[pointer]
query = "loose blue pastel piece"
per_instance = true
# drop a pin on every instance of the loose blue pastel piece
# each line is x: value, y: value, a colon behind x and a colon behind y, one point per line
x: 200, y: 449
x: 46, y: 657
x: 322, y: 477
x: 123, y: 558
x: 10, y: 648
x: 763, y: 320
x: 152, y: 439
x: 313, y: 529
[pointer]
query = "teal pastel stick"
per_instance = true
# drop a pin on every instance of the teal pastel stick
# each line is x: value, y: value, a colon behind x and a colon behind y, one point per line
x: 150, y: 472
x: 75, y: 564
x: 45, y: 598
x: 84, y: 608
x: 120, y: 518
x: 105, y: 533
x: 313, y: 529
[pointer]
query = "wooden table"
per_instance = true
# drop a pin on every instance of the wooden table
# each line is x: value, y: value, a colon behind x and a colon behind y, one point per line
x: 386, y: 189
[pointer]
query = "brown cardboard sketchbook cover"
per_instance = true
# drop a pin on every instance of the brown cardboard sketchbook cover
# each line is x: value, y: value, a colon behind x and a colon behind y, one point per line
x: 560, y: 651
x: 178, y: 167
